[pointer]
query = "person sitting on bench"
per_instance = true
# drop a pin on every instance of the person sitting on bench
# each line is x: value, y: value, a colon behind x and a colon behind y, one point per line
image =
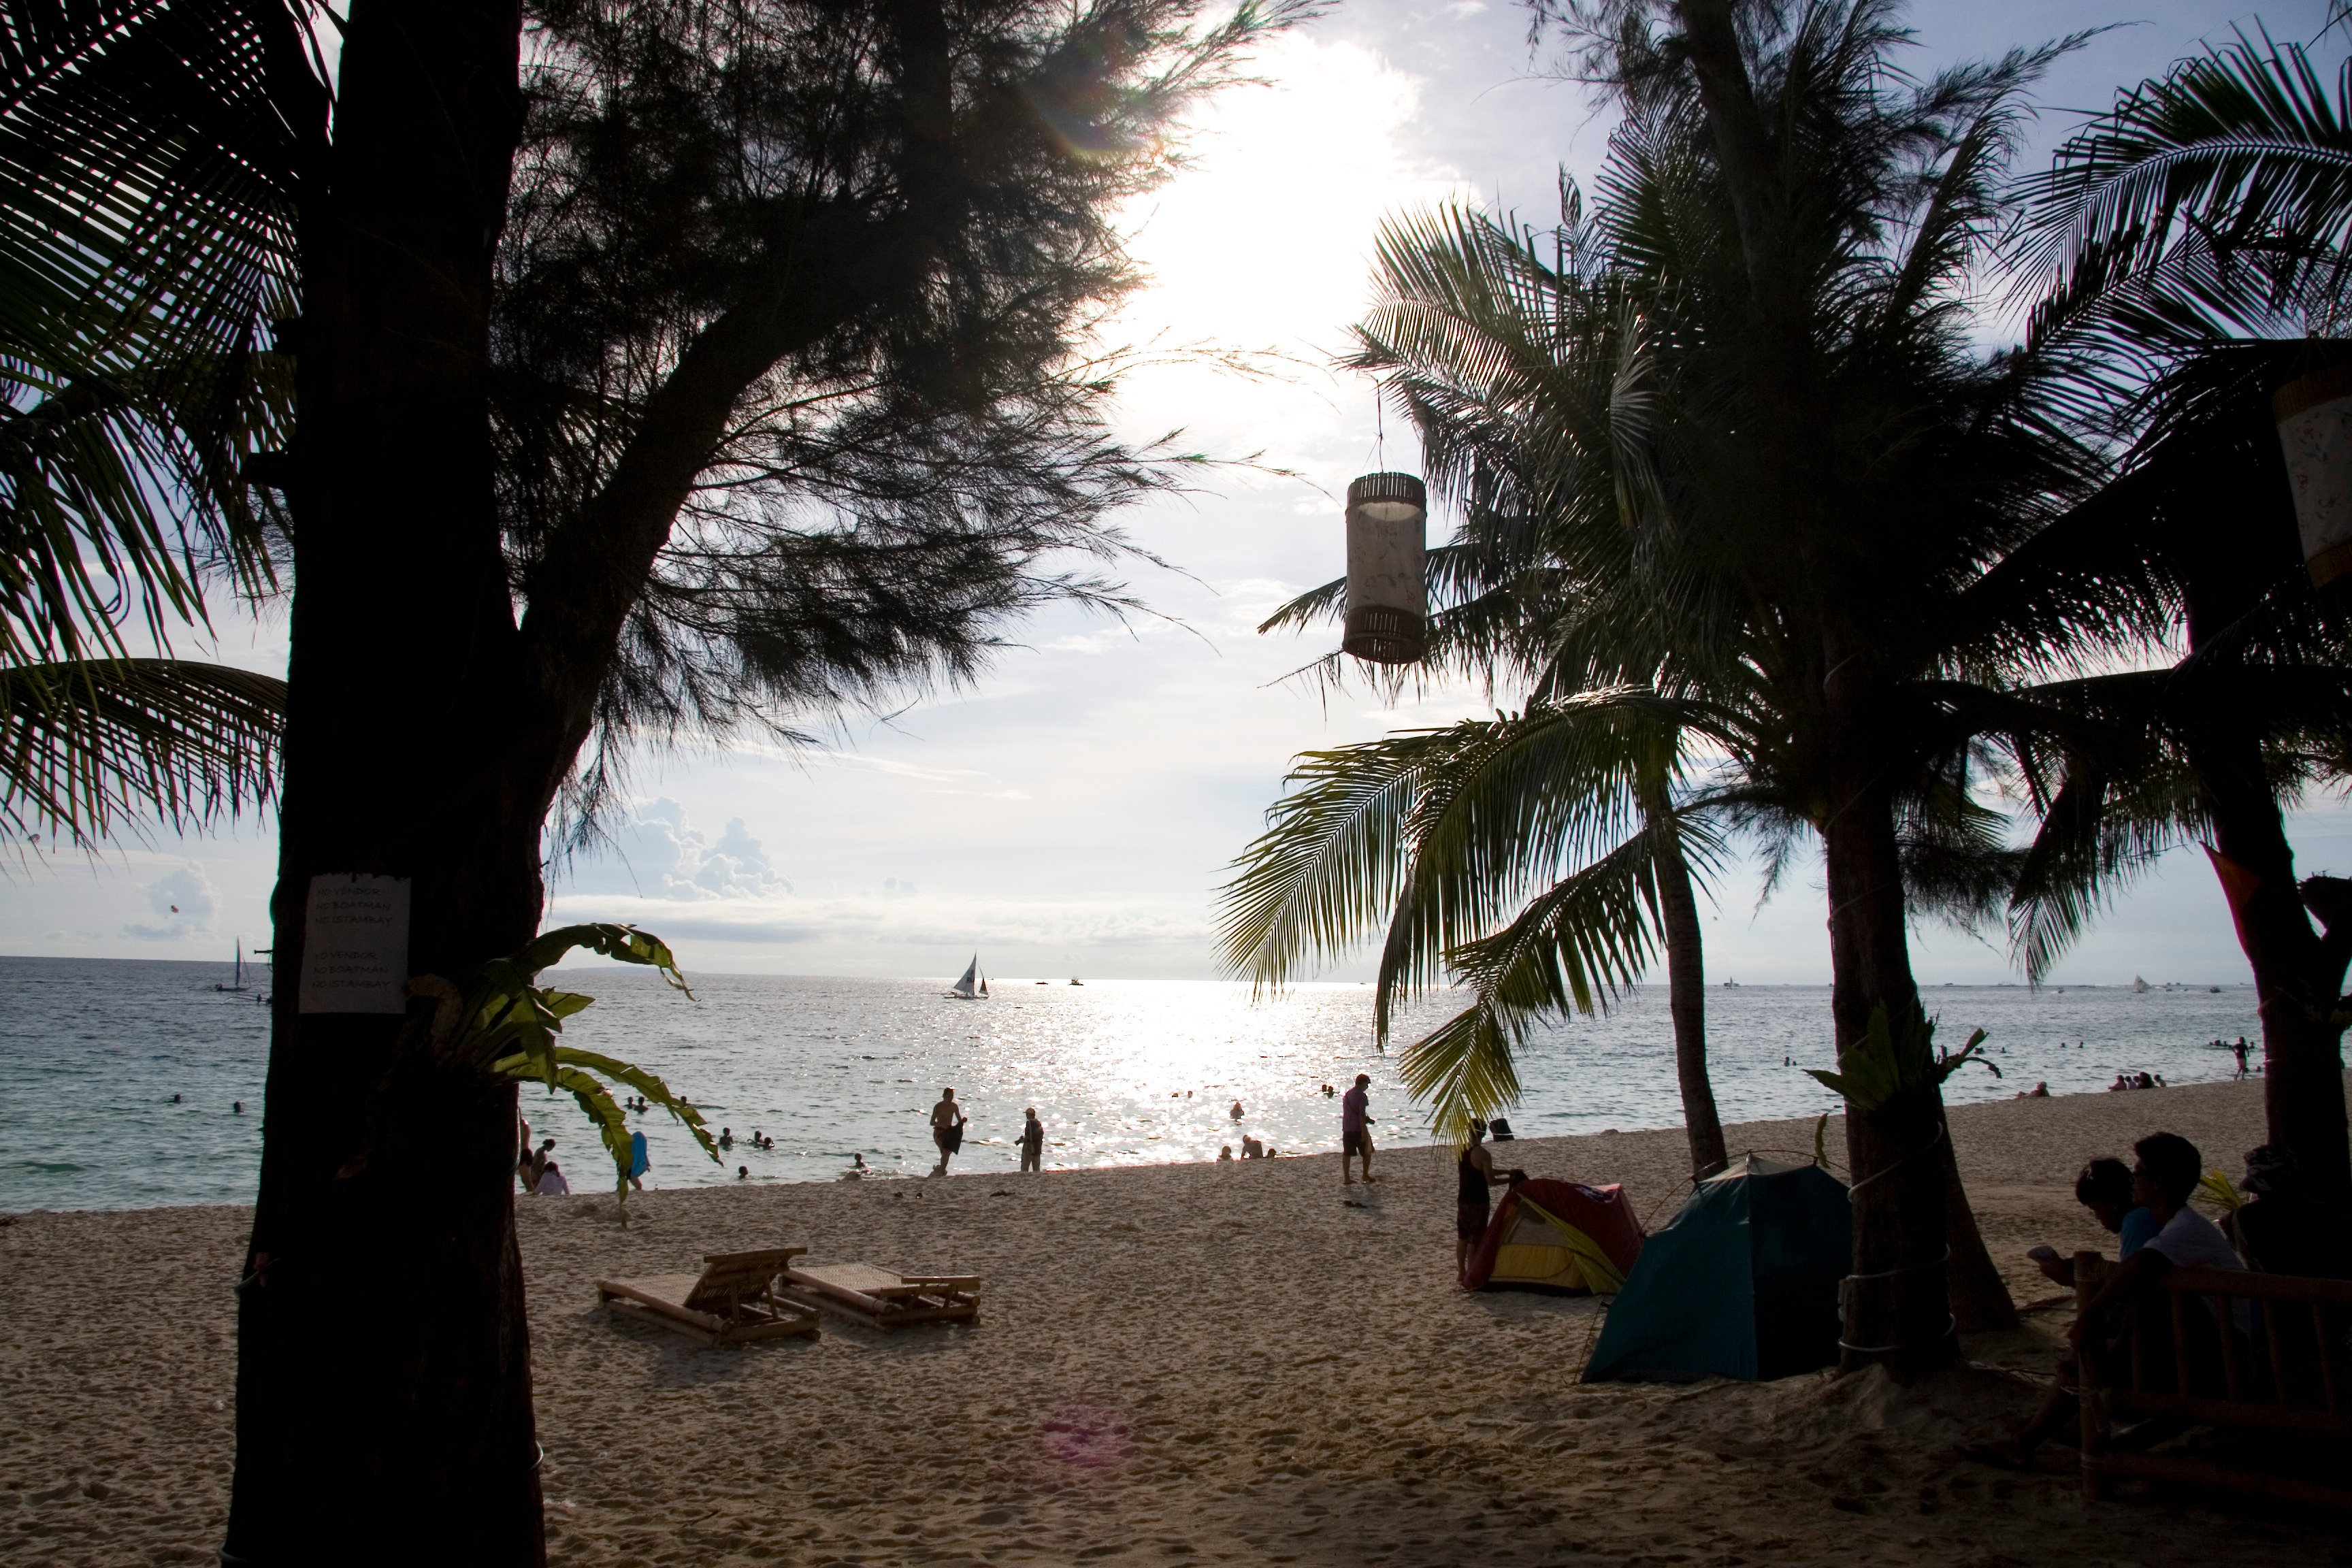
x: 2167, y: 1172
x: 2104, y: 1187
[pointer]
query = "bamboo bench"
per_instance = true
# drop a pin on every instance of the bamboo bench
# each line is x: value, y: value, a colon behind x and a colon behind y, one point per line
x: 2287, y: 1379
x: 734, y: 1300
x: 881, y: 1298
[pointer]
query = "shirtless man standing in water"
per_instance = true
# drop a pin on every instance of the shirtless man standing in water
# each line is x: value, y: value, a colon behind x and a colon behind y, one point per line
x: 947, y: 1128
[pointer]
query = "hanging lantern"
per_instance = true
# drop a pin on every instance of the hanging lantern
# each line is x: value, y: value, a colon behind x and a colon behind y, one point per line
x: 1388, y: 597
x: 2314, y: 426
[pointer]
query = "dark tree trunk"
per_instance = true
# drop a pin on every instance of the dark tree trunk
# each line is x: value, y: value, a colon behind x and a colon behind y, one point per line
x: 384, y: 1388
x: 2298, y: 973
x: 1686, y: 994
x: 1905, y: 1207
x: 1897, y: 1305
x: 1981, y: 1303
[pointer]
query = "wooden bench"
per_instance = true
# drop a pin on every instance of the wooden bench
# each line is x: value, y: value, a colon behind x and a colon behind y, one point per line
x: 881, y: 1299
x: 734, y: 1300
x: 2287, y: 1379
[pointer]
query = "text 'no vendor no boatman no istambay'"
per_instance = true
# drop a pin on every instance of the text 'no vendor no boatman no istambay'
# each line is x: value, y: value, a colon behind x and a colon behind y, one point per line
x: 355, y: 944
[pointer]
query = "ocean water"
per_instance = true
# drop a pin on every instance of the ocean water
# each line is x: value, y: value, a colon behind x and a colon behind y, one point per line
x: 1122, y: 1072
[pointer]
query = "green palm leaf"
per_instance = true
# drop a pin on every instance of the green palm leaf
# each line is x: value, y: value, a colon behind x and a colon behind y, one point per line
x: 88, y: 746
x: 2211, y: 201
x: 148, y: 155
x: 1573, y: 945
x: 1327, y: 866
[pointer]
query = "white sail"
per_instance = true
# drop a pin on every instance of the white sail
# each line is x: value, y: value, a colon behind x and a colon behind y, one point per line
x: 2138, y: 985
x: 963, y: 988
x: 238, y: 982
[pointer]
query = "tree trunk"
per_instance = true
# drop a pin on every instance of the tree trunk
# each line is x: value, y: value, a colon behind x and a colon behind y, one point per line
x: 1897, y: 1305
x: 1686, y: 994
x: 1981, y: 1303
x: 2298, y: 976
x: 384, y: 1388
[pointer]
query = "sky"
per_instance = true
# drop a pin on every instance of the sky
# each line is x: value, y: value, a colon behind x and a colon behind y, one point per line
x: 1074, y: 813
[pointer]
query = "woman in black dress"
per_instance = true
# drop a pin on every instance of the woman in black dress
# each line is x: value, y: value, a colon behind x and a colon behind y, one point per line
x: 1475, y: 1173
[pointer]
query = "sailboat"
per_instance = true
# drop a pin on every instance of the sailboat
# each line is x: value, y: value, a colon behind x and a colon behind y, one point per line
x: 238, y: 985
x: 2139, y: 985
x: 965, y: 989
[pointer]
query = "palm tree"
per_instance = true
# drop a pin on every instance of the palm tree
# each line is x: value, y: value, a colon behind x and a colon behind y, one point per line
x: 2200, y: 236
x: 1455, y: 841
x: 1503, y: 360
x: 2124, y: 765
x: 148, y: 155
x: 96, y: 742
x: 1546, y: 409
x: 1840, y: 482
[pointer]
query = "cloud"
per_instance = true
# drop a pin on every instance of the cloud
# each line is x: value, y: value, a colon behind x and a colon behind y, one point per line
x: 897, y: 916
x: 659, y: 854
x: 182, y: 903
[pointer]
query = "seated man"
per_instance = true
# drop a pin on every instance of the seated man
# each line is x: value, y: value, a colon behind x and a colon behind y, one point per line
x: 2167, y: 1172
x: 2104, y: 1187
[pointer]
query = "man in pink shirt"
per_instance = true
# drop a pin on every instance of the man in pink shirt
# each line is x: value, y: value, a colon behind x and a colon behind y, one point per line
x: 1355, y: 1128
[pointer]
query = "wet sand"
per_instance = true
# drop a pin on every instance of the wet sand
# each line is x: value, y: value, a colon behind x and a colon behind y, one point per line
x: 1174, y: 1364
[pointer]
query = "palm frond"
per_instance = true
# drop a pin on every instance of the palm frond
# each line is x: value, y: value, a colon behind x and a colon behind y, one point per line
x: 149, y: 150
x: 1511, y: 805
x: 87, y: 747
x: 1569, y: 950
x: 2217, y: 196
x: 1329, y: 863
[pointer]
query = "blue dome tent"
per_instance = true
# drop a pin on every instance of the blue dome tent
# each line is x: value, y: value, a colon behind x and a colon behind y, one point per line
x: 1743, y: 1283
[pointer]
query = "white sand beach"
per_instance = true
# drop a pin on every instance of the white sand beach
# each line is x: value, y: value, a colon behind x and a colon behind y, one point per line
x: 1186, y: 1364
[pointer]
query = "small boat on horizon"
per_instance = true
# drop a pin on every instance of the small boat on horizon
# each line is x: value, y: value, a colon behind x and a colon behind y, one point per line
x: 2139, y: 986
x: 965, y: 990
x: 1076, y: 981
x: 237, y: 983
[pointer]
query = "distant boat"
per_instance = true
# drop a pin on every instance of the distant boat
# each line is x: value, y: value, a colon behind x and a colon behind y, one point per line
x: 237, y: 985
x: 965, y: 989
x: 1730, y: 983
x: 2139, y: 986
x: 1076, y: 981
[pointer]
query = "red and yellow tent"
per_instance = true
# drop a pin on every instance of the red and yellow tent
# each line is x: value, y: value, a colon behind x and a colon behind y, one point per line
x: 1556, y: 1236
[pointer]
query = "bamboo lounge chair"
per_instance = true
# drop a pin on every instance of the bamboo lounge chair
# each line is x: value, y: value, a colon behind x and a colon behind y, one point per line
x: 732, y: 1301
x: 2277, y: 1394
x: 882, y: 1299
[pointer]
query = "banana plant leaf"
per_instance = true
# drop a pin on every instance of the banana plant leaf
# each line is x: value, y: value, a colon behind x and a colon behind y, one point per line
x: 1887, y: 1061
x: 506, y: 1025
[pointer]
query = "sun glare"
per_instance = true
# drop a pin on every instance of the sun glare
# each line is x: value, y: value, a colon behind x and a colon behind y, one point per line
x: 1265, y: 244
